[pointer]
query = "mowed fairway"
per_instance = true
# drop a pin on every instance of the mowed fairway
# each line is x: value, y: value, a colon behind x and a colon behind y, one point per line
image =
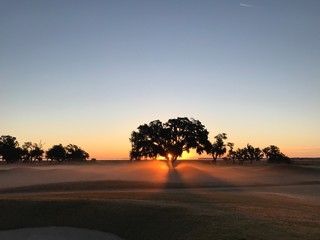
x: 147, y: 201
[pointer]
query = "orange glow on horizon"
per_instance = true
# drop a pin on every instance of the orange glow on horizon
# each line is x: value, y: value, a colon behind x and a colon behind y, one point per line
x: 103, y: 152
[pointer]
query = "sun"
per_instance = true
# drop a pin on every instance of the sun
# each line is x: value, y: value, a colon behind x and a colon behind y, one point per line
x: 185, y: 156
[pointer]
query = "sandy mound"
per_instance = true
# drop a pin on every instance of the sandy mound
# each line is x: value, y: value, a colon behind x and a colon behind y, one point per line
x: 56, y: 233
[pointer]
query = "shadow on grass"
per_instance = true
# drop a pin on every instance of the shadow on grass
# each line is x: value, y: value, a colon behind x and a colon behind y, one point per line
x: 173, y: 210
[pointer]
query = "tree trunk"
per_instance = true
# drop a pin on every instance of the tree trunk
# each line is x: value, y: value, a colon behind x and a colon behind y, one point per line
x: 171, y: 160
x: 169, y: 163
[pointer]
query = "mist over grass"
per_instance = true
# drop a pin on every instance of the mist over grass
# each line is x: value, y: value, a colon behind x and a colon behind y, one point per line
x: 146, y: 200
x: 186, y: 173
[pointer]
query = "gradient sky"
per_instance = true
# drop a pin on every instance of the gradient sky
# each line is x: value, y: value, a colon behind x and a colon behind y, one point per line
x: 90, y: 72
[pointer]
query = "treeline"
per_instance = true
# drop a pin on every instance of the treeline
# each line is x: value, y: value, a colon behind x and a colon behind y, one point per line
x: 170, y: 139
x: 11, y: 152
x: 247, y: 154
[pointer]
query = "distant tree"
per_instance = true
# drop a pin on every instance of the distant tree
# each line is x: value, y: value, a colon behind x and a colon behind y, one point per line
x: 248, y: 153
x: 9, y: 149
x: 75, y: 153
x: 169, y: 139
x: 274, y: 155
x: 253, y: 154
x: 231, y: 153
x: 26, y: 152
x: 57, y: 153
x: 218, y: 147
x: 36, y: 152
x: 241, y: 154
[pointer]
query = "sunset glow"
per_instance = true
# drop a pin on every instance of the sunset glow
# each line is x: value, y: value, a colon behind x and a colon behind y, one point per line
x: 87, y: 73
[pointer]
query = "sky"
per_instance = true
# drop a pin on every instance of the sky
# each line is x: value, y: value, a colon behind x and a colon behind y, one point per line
x: 90, y: 72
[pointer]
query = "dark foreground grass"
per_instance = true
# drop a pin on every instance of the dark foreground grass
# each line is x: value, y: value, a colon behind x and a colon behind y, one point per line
x: 188, y: 214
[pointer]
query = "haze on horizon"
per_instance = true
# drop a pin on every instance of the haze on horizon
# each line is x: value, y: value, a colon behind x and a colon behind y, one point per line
x: 90, y: 72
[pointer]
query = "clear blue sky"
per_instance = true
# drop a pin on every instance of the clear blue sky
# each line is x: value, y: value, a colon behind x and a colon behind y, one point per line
x: 89, y: 72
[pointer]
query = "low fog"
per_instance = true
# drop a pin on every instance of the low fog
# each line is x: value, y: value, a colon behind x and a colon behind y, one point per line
x: 187, y: 173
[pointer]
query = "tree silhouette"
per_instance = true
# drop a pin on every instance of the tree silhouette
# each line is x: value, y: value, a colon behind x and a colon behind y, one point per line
x: 69, y: 153
x: 248, y: 153
x: 37, y: 152
x: 218, y: 147
x: 231, y: 153
x: 32, y: 152
x: 169, y: 139
x: 75, y: 153
x: 9, y: 149
x: 274, y: 155
x: 241, y: 154
x: 57, y: 153
x: 253, y: 154
x: 26, y: 151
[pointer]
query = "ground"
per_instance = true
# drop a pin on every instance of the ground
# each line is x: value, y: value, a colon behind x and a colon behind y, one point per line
x: 146, y: 200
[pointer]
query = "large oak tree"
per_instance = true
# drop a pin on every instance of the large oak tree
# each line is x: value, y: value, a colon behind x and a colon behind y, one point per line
x: 169, y: 139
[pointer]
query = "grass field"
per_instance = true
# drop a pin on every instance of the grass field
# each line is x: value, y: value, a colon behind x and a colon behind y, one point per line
x: 147, y: 201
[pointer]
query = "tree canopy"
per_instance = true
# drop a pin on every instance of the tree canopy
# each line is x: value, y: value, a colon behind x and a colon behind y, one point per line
x: 69, y: 153
x: 274, y: 155
x: 57, y: 153
x: 253, y: 154
x: 169, y: 139
x: 32, y: 152
x: 219, y: 147
x: 9, y: 148
x: 75, y: 153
